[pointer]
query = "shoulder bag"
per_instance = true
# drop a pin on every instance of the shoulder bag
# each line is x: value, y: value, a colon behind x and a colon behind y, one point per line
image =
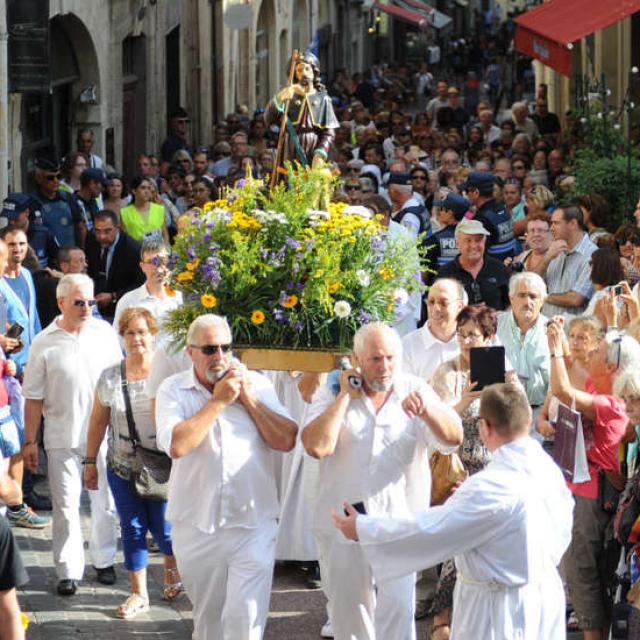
x: 150, y: 469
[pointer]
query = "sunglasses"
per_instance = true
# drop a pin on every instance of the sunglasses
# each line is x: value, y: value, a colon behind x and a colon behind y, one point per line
x: 84, y: 303
x: 52, y: 176
x: 210, y: 349
x: 352, y: 187
x: 418, y: 177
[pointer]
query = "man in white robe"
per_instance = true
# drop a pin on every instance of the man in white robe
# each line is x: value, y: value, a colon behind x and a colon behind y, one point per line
x: 507, y: 527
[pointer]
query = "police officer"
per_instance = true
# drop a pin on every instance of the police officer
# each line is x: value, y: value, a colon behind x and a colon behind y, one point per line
x: 91, y: 183
x: 501, y: 243
x: 57, y: 210
x: 20, y: 211
x: 443, y: 248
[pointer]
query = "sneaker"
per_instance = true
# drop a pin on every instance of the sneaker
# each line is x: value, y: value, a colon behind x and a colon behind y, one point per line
x: 26, y: 517
x: 327, y: 630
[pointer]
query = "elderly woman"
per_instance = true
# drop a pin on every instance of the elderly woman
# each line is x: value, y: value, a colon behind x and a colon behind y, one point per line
x: 588, y: 565
x: 476, y: 327
x: 137, y: 327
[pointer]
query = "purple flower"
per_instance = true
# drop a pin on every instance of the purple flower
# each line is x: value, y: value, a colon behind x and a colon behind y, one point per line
x: 194, y: 296
x: 210, y: 225
x: 298, y: 326
x: 206, y: 237
x: 300, y: 286
x: 309, y: 245
x: 378, y: 244
x: 293, y: 243
x: 191, y: 253
x: 364, y: 317
x: 240, y: 183
x: 279, y: 315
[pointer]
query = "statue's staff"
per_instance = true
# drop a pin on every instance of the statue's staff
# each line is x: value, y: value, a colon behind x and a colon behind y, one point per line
x: 283, y: 124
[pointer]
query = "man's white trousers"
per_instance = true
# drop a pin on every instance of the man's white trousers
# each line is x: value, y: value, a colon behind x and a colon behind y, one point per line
x: 358, y: 610
x: 227, y: 576
x: 65, y: 482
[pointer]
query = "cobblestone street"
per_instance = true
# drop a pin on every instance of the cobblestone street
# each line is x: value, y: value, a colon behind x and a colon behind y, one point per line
x: 296, y: 613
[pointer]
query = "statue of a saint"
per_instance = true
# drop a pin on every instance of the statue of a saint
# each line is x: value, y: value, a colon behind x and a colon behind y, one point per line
x: 310, y: 121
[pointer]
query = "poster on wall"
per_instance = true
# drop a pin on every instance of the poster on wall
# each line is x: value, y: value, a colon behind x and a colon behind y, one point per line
x: 28, y: 27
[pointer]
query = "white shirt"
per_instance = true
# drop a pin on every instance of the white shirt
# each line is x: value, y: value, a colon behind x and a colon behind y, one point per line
x: 167, y: 360
x: 63, y: 371
x: 141, y: 297
x: 381, y: 458
x: 423, y: 353
x: 507, y: 527
x: 228, y: 480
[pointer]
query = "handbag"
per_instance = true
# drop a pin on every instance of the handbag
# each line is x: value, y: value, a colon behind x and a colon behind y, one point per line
x: 569, y: 450
x: 150, y: 470
x: 446, y: 471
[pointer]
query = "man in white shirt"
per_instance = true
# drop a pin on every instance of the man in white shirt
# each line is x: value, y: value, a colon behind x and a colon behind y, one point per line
x: 65, y: 362
x: 153, y: 294
x: 507, y: 526
x: 425, y: 349
x: 373, y: 441
x: 220, y: 423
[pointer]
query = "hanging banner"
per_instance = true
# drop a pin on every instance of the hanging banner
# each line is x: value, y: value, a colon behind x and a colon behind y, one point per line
x: 28, y: 27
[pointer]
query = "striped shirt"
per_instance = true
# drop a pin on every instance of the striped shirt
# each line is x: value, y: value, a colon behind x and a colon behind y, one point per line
x: 570, y: 272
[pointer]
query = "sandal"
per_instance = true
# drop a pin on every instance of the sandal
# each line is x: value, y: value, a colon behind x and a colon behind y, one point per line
x: 132, y: 606
x: 172, y: 584
x: 441, y: 632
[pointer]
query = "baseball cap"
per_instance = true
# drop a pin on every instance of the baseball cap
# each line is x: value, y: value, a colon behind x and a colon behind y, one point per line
x: 93, y: 174
x: 481, y: 180
x: 471, y: 228
x: 399, y: 178
x: 14, y: 204
x: 454, y: 201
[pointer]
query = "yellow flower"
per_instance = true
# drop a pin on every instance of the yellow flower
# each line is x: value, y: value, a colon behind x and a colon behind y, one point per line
x: 24, y: 619
x: 333, y: 286
x: 257, y: 317
x: 208, y: 300
x: 192, y: 266
x: 290, y: 302
x: 386, y: 273
x: 170, y: 291
x: 185, y: 276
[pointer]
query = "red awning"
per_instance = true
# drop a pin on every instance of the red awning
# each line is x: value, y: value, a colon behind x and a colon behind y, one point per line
x: 549, y: 31
x: 412, y: 17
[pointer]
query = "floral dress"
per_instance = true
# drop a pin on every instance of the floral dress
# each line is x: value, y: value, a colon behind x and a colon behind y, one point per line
x: 449, y: 381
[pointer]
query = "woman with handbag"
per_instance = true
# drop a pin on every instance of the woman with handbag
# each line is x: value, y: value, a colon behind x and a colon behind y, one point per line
x: 122, y: 402
x: 476, y: 326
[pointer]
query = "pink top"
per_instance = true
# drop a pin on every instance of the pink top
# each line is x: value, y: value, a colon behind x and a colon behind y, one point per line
x: 602, y: 438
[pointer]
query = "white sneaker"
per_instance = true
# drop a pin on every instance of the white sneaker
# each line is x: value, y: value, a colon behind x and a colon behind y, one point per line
x: 327, y: 630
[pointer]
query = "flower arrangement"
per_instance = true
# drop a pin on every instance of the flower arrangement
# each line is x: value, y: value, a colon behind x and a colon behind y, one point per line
x: 287, y: 274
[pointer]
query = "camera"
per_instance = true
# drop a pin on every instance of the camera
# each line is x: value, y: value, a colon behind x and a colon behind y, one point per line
x: 618, y: 290
x: 517, y: 267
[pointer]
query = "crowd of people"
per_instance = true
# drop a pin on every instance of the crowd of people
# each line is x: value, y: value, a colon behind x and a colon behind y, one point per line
x: 262, y: 460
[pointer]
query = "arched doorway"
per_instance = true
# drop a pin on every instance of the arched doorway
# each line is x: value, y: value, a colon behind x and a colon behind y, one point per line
x: 266, y: 47
x: 50, y: 120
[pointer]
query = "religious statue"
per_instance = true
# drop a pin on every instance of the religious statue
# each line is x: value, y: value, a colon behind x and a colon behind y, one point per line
x: 305, y: 113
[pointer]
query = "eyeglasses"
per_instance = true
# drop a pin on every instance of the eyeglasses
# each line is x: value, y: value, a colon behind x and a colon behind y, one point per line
x: 353, y: 187
x: 210, y: 349
x: 469, y: 337
x: 52, y: 176
x: 84, y: 303
x: 416, y: 177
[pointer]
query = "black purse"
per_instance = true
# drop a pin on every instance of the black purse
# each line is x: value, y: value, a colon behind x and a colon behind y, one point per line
x: 150, y: 469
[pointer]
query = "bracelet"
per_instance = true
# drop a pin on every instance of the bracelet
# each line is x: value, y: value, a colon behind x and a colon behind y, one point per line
x: 26, y: 442
x: 557, y: 355
x: 88, y: 460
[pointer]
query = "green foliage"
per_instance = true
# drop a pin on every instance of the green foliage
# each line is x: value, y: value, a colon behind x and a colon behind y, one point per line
x: 286, y: 272
x: 608, y: 177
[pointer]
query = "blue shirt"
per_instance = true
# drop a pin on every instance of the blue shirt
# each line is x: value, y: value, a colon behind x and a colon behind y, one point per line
x: 20, y: 287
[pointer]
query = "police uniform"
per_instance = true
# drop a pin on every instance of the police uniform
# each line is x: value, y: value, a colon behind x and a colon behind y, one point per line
x: 501, y: 243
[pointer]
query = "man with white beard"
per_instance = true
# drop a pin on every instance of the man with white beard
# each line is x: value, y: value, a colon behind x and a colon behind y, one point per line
x: 373, y: 440
x: 507, y: 526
